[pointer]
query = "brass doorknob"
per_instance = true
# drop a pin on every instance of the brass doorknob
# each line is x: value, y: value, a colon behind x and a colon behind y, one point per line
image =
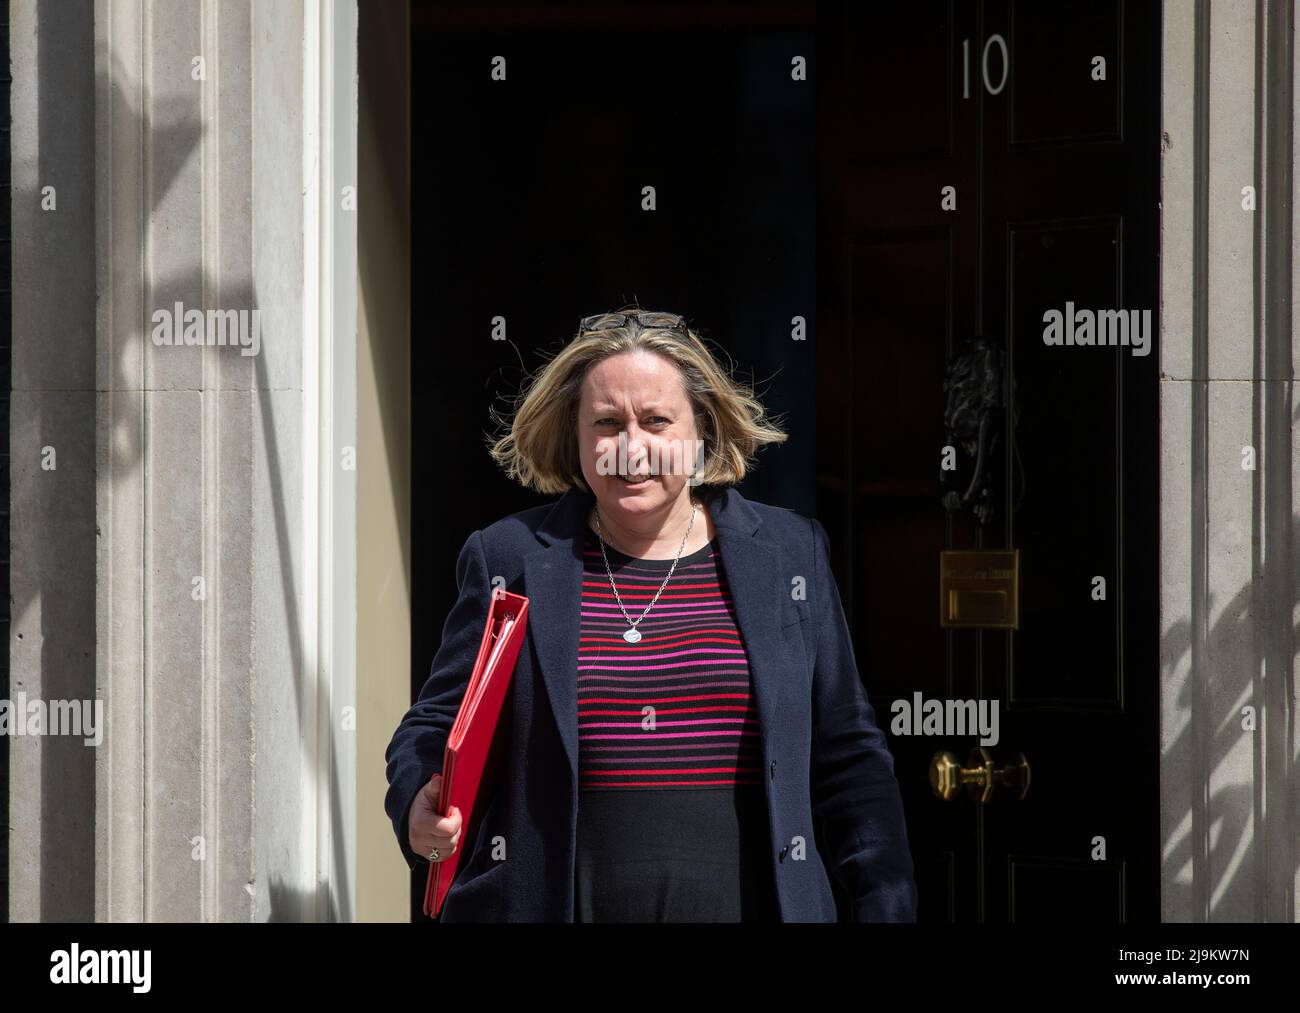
x: 980, y: 775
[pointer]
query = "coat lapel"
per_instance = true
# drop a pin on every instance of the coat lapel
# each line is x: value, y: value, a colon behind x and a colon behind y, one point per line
x: 755, y: 572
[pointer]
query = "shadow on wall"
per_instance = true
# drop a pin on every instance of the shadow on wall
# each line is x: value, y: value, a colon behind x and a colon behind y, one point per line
x: 1232, y: 810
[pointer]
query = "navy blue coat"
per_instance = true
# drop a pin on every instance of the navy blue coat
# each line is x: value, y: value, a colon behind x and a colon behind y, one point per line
x: 833, y: 802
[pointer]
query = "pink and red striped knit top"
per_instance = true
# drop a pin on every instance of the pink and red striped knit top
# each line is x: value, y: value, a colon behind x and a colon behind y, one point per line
x: 676, y: 709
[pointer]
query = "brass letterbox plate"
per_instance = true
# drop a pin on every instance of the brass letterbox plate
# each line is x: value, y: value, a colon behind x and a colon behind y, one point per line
x: 980, y: 589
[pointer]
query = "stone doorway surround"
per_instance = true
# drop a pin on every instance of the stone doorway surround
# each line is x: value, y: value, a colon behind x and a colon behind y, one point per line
x: 191, y: 562
x: 1230, y: 533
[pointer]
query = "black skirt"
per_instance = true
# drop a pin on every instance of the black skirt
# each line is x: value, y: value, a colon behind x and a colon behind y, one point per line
x: 674, y: 855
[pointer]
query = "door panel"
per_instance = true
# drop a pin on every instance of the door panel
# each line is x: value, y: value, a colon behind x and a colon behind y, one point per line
x: 1053, y: 263
x: 1047, y: 37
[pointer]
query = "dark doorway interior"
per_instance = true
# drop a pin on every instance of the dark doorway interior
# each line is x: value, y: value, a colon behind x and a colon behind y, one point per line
x: 527, y: 206
x: 527, y: 199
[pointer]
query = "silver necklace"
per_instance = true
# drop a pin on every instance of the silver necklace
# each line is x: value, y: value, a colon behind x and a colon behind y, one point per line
x: 632, y: 634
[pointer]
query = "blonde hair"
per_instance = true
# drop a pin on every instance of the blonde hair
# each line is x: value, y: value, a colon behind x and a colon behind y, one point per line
x: 540, y: 449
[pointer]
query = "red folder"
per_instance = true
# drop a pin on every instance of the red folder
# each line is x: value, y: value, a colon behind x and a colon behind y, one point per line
x: 470, y: 742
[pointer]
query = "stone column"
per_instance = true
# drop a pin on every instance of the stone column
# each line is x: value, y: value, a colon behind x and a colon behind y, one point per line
x: 189, y: 563
x: 1230, y: 485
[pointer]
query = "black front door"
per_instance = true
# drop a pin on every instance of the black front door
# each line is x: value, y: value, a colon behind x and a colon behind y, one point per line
x: 983, y: 165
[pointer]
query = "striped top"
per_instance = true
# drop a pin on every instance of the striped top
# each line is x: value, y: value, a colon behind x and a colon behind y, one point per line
x: 675, y: 709
x: 672, y: 816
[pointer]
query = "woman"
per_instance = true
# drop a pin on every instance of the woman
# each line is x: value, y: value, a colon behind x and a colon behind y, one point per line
x: 686, y: 738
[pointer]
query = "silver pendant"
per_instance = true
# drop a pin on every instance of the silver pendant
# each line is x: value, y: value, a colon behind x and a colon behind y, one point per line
x: 632, y: 636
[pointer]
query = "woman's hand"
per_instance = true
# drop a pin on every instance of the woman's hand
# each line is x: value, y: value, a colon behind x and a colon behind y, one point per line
x: 428, y: 830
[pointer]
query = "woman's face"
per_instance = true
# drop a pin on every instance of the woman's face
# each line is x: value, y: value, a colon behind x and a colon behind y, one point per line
x: 638, y: 394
